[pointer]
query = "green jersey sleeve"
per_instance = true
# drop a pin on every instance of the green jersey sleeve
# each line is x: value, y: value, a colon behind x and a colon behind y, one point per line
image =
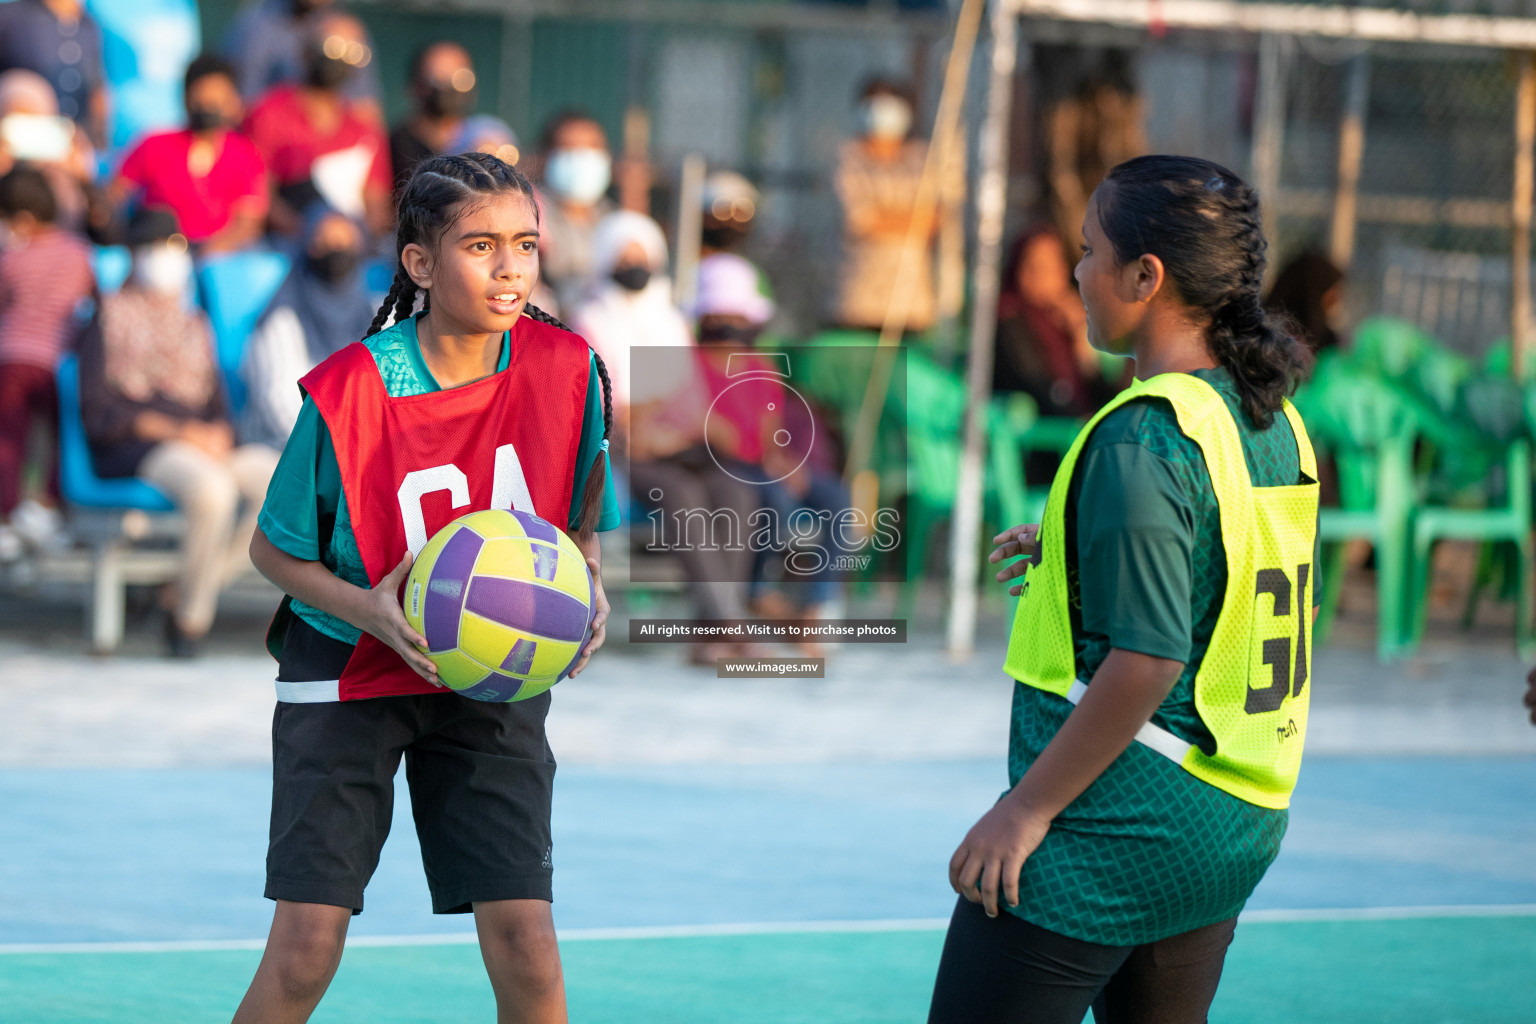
x: 1135, y: 541
x: 587, y: 452
x: 305, y: 491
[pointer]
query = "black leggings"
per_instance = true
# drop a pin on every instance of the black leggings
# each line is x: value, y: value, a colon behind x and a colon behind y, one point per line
x: 1004, y: 970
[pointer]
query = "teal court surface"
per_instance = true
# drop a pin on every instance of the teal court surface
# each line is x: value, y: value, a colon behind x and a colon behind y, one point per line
x: 813, y: 892
x: 729, y: 851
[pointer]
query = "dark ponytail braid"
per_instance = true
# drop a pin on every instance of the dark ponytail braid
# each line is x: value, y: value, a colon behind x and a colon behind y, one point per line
x: 592, y: 493
x: 428, y: 204
x: 1203, y: 222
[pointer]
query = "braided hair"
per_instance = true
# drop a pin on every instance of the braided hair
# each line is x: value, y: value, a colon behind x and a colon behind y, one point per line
x: 1203, y: 222
x: 429, y: 203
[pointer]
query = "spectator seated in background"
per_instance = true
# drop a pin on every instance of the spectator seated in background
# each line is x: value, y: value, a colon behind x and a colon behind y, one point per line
x: 763, y: 432
x: 266, y: 44
x: 1042, y: 344
x: 443, y: 94
x: 673, y: 473
x: 58, y: 40
x: 45, y: 272
x: 319, y: 144
x: 209, y: 175
x: 877, y: 182
x: 321, y: 307
x: 154, y: 408
x: 577, y: 168
x: 1309, y: 291
x: 630, y: 302
x: 33, y: 131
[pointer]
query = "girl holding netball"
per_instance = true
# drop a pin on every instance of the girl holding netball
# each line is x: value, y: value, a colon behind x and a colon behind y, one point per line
x: 479, y: 401
x: 1161, y: 642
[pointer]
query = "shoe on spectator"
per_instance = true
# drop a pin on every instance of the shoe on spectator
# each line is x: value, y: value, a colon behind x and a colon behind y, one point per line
x: 11, y: 547
x: 40, y: 526
x: 179, y: 643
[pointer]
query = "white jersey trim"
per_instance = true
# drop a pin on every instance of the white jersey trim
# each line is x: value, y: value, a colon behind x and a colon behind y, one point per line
x: 318, y: 691
x: 1154, y: 736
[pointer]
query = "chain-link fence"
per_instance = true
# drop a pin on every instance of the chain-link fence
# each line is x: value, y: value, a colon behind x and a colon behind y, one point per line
x: 1425, y: 231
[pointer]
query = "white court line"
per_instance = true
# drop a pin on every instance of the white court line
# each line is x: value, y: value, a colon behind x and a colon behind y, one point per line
x: 688, y: 931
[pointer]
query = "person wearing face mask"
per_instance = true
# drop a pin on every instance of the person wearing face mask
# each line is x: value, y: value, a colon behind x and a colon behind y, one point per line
x: 630, y: 302
x: 317, y: 142
x: 321, y: 307
x: 577, y: 169
x: 443, y: 93
x: 877, y: 183
x: 207, y: 173
x: 266, y: 43
x: 154, y: 408
x: 45, y: 272
x: 32, y: 131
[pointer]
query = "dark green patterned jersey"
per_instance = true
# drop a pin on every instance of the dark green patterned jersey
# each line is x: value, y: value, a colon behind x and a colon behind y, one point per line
x: 1148, y: 850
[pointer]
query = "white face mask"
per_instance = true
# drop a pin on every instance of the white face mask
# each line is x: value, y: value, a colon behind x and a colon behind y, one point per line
x: 581, y: 175
x: 163, y: 268
x: 886, y: 117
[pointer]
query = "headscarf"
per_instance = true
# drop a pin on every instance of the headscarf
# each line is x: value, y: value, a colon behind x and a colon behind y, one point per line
x: 27, y: 91
x: 333, y: 315
x: 614, y: 319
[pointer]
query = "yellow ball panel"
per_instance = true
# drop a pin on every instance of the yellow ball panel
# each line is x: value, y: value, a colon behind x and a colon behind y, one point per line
x: 486, y: 641
x: 511, y: 557
x: 493, y: 522
x: 457, y: 669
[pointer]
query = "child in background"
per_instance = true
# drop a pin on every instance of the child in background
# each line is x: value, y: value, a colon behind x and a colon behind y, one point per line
x: 45, y: 272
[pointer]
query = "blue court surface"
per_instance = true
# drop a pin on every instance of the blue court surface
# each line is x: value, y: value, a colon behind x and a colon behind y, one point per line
x: 1406, y: 891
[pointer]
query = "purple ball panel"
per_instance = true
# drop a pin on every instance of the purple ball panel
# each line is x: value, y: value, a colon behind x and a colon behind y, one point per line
x: 528, y: 607
x: 591, y: 614
x: 493, y: 688
x: 520, y: 660
x: 538, y: 529
x: 546, y: 559
x: 446, y: 586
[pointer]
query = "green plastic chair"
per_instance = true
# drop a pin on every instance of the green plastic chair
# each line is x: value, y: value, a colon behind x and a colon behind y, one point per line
x: 1495, y: 407
x: 1368, y: 429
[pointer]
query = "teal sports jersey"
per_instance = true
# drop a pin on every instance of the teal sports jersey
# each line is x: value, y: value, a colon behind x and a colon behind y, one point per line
x: 305, y: 501
x: 1148, y: 850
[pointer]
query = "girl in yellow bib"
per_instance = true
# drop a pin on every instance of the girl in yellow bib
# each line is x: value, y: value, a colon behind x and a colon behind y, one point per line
x: 1162, y: 640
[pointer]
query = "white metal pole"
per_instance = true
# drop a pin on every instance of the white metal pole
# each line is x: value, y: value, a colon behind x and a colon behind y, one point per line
x: 690, y: 228
x: 1341, y: 248
x: 1268, y: 125
x: 991, y: 206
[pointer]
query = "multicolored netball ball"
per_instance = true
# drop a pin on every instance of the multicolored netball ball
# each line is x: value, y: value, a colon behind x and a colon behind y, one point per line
x: 505, y: 601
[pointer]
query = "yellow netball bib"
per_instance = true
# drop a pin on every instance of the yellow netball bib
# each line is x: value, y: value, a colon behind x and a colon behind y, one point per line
x: 1251, y: 687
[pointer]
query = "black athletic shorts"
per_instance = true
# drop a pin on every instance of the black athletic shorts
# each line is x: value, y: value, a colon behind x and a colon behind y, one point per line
x: 481, y: 776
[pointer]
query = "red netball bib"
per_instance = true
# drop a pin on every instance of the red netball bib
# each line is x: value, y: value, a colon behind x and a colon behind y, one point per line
x: 409, y: 466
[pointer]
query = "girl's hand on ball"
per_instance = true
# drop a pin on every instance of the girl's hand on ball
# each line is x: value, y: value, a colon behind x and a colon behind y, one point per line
x: 993, y: 853
x: 385, y: 619
x: 599, y: 620
x: 1012, y: 543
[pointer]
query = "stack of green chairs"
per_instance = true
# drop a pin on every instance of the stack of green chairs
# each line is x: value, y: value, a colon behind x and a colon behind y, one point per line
x: 1369, y: 429
x: 1495, y: 441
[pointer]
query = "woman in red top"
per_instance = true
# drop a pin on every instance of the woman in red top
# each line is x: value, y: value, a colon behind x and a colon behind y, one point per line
x: 211, y: 177
x: 319, y: 144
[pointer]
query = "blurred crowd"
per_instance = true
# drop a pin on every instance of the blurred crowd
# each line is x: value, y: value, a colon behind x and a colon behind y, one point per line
x: 284, y: 152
